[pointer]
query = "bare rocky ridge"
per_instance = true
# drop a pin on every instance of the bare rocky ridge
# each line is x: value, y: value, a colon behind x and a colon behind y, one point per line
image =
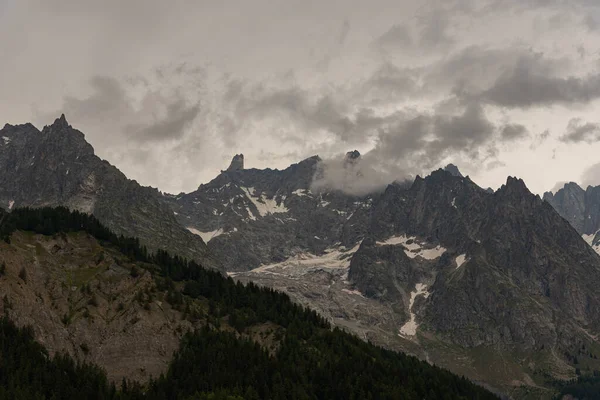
x: 440, y: 268
x: 91, y: 301
x: 494, y: 285
x: 81, y: 298
x: 581, y: 208
x: 237, y: 163
x: 251, y: 217
x: 58, y: 167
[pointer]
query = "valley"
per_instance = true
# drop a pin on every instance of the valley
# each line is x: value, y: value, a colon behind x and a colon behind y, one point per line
x: 492, y: 285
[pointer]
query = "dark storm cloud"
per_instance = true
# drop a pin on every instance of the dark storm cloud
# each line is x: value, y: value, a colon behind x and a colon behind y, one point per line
x: 295, y: 104
x: 526, y: 86
x: 474, y: 69
x: 397, y: 36
x: 108, y: 99
x: 160, y: 117
x: 389, y: 82
x: 411, y: 144
x: 426, y: 139
x: 173, y: 125
x: 253, y: 103
x: 580, y: 131
x: 513, y: 132
x: 415, y: 81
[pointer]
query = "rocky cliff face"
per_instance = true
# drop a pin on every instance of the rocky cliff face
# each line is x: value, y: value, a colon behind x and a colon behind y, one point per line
x: 581, y: 208
x: 495, y: 285
x: 439, y: 262
x: 251, y: 217
x: 80, y: 298
x: 58, y: 167
x: 237, y: 163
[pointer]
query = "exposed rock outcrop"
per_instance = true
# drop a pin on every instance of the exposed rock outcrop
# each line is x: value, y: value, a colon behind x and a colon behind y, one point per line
x: 237, y: 163
x: 57, y: 166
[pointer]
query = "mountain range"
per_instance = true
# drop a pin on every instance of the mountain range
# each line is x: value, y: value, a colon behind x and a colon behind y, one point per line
x: 57, y: 166
x: 497, y: 285
x: 581, y: 208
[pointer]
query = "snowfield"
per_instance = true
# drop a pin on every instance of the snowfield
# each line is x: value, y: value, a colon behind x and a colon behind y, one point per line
x: 263, y: 205
x: 410, y: 328
x: 206, y: 236
x: 460, y: 260
x: 412, y: 248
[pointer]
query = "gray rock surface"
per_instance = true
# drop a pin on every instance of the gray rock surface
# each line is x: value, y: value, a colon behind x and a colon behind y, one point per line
x: 237, y: 163
x: 56, y: 166
x: 453, y: 169
x: 438, y: 267
x: 440, y: 260
x: 581, y: 208
x: 252, y: 217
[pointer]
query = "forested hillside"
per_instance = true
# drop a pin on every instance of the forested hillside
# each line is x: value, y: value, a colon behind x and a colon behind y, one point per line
x: 311, y: 361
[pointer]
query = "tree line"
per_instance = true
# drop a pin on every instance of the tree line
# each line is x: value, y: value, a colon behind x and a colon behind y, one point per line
x: 314, y: 360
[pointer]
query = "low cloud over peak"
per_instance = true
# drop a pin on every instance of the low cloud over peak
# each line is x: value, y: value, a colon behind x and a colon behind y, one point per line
x: 413, y: 86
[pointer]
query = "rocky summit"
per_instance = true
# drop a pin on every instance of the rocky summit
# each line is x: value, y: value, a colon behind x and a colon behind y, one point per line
x: 581, y: 208
x: 237, y: 163
x: 57, y: 166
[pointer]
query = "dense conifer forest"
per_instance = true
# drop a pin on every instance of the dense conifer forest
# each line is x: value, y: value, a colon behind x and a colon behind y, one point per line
x: 313, y: 361
x: 582, y: 388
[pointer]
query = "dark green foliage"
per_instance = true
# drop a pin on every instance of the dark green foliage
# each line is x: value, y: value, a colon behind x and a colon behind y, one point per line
x: 7, y: 306
x: 134, y: 272
x: 314, y: 361
x: 28, y: 372
x: 583, y: 388
x: 23, y: 274
x: 84, y: 347
x: 93, y: 301
x: 241, y: 319
x: 329, y: 365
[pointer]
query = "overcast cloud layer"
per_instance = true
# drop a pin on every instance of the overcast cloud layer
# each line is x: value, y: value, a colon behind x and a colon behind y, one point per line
x: 170, y: 91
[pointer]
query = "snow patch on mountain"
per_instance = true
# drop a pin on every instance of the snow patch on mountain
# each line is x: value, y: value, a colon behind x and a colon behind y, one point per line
x: 412, y: 248
x: 302, y: 193
x: 11, y: 204
x: 589, y: 239
x: 410, y: 328
x: 298, y: 265
x: 460, y: 260
x: 355, y: 292
x: 263, y: 205
x: 206, y: 236
x: 6, y: 139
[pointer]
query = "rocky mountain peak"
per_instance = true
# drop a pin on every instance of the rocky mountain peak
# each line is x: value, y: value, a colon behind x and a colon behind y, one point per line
x: 514, y: 184
x: 515, y: 191
x: 237, y: 163
x: 62, y: 139
x: 453, y: 169
x: 59, y: 124
x: 576, y: 205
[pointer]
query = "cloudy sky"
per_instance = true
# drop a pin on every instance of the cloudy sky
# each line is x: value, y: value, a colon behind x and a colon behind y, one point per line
x: 170, y: 91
